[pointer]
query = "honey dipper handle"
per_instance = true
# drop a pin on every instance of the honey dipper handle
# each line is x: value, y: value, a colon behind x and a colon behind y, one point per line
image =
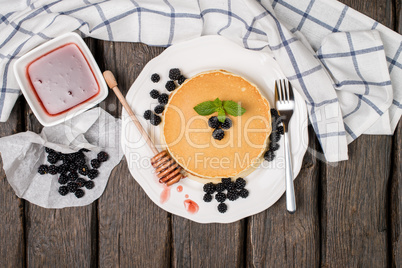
x: 111, y: 82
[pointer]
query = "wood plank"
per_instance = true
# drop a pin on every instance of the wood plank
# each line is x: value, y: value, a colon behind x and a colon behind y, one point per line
x: 379, y: 10
x: 279, y: 239
x: 58, y: 237
x: 355, y: 210
x: 395, y: 200
x: 133, y: 231
x: 395, y: 203
x: 207, y: 245
x: 355, y: 193
x: 12, y: 247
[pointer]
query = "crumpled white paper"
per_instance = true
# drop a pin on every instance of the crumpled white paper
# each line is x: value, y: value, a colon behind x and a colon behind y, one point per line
x: 23, y: 153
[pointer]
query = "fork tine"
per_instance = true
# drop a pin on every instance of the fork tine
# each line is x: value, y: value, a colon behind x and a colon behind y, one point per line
x: 285, y: 91
x: 291, y: 96
x: 284, y: 98
x: 281, y: 90
x: 276, y: 91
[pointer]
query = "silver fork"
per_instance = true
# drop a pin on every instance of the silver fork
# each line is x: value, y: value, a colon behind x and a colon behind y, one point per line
x: 285, y: 104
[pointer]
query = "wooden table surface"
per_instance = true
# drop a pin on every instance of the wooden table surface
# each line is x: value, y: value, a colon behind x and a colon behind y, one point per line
x: 349, y: 215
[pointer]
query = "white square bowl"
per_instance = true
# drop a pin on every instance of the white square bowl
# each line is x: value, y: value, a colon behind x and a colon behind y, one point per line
x: 20, y: 70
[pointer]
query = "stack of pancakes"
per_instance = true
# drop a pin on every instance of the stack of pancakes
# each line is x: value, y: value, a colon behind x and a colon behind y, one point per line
x: 188, y: 138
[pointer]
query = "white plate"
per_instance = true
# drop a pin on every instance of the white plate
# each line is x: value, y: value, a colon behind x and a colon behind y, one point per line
x: 267, y: 184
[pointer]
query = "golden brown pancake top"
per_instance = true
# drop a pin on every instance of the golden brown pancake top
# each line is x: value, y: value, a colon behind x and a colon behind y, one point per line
x: 189, y: 138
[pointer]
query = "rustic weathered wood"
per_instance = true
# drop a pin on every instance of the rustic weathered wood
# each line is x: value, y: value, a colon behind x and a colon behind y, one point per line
x: 133, y: 231
x: 349, y: 215
x: 355, y: 210
x: 395, y: 205
x: 12, y: 247
x: 57, y: 237
x: 354, y: 222
x: 279, y: 239
x: 207, y: 245
x: 379, y: 10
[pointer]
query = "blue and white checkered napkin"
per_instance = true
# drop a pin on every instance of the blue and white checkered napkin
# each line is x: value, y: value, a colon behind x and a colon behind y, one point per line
x: 341, y: 61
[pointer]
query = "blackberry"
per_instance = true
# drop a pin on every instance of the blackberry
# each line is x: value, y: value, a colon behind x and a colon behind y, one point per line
x: 269, y: 155
x: 170, y: 85
x: 43, y: 169
x: 89, y: 185
x: 181, y: 79
x: 240, y: 183
x: 220, y: 197
x: 155, y: 78
x: 52, y: 170
x: 155, y: 120
x: 72, y: 167
x: 52, y: 158
x: 68, y: 158
x: 227, y: 124
x: 78, y: 156
x: 243, y: 193
x: 83, y: 150
x: 174, y: 73
x: 93, y: 173
x: 280, y: 130
x: 232, y: 195
x: 209, y: 188
x: 222, y: 207
x: 207, y: 198
x: 81, y: 182
x: 159, y: 109
x: 58, y: 169
x: 231, y: 186
x: 72, y: 187
x: 273, y: 146
x: 147, y: 114
x: 83, y: 170
x: 63, y: 157
x: 213, y: 122
x: 73, y: 176
x: 102, y: 156
x: 274, y: 112
x: 48, y: 150
x: 63, y: 168
x: 79, y: 193
x: 163, y: 98
x: 276, y: 120
x: 220, y: 187
x: 154, y: 94
x: 63, y: 190
x: 95, y: 163
x: 63, y: 179
x: 274, y: 137
x: 218, y: 134
x: 226, y: 181
x: 80, y: 162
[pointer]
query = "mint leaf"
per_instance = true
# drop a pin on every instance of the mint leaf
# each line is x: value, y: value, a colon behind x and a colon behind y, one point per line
x: 205, y: 108
x: 233, y: 108
x: 218, y: 103
x: 221, y: 115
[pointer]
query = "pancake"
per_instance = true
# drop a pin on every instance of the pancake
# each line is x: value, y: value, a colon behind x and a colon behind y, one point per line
x: 188, y: 137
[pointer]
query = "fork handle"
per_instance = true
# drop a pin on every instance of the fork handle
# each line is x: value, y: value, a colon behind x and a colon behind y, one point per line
x: 290, y: 191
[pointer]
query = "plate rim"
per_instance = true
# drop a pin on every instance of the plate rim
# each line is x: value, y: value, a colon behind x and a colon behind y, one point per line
x: 131, y: 95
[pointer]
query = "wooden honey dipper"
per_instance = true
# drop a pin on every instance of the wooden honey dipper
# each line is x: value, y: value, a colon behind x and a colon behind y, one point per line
x: 168, y: 171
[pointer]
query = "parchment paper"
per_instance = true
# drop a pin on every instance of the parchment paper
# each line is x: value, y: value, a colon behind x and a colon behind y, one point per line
x: 23, y: 153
